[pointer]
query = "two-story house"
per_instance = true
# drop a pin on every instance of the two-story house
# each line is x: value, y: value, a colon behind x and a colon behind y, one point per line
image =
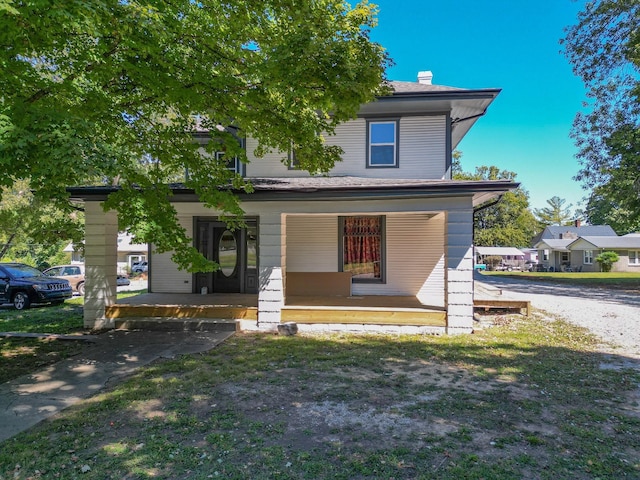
x: 383, y: 241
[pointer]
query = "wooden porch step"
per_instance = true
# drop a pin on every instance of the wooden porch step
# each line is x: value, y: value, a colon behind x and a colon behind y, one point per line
x: 495, y: 304
x: 308, y: 315
x: 177, y: 324
x: 182, y: 312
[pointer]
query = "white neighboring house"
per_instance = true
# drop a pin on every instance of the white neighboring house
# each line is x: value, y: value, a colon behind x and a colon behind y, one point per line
x: 584, y: 251
x: 128, y: 253
x: 387, y: 222
x: 512, y: 258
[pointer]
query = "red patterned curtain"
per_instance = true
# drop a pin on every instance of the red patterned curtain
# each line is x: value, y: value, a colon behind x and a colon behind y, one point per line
x: 362, y: 242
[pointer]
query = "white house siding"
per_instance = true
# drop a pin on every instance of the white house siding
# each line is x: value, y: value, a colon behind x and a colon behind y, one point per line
x: 312, y: 243
x: 422, y: 145
x: 164, y: 274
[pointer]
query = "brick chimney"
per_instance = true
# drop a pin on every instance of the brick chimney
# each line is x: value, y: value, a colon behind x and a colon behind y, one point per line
x: 577, y: 223
x: 425, y: 77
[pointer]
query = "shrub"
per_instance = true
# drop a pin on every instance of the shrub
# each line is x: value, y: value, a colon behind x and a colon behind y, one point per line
x: 606, y: 260
x: 492, y: 261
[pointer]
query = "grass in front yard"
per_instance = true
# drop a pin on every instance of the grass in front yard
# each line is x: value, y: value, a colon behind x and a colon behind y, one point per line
x: 20, y: 356
x: 528, y: 399
x: 623, y: 280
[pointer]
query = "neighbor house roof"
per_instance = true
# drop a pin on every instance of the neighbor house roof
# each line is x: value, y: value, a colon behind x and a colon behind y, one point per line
x: 625, y: 242
x: 124, y: 245
x: 557, y: 231
x: 582, y: 231
x: 499, y: 251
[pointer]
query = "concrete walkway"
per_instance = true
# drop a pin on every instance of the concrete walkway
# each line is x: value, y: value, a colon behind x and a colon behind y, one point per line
x: 28, y: 400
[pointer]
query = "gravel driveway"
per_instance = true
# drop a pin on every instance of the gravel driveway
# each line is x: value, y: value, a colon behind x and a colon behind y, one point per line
x: 613, y: 315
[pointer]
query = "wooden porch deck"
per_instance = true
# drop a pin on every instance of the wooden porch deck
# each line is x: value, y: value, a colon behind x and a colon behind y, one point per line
x: 371, y: 310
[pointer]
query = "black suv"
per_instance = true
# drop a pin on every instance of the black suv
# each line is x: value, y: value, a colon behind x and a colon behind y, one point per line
x: 23, y: 285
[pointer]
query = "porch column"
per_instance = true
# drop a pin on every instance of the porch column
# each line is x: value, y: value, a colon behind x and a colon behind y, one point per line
x: 459, y: 271
x: 100, y: 260
x: 271, y: 229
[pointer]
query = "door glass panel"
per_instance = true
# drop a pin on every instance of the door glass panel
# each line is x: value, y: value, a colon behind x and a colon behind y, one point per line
x: 252, y: 241
x: 227, y: 253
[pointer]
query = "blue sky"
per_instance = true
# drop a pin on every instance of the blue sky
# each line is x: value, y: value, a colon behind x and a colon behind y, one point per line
x: 507, y: 44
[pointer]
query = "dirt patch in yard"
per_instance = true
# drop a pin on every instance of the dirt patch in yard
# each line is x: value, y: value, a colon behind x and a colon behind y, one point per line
x: 529, y: 399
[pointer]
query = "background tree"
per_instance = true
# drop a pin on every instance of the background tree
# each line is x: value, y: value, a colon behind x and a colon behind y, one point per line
x: 32, y: 231
x: 556, y: 213
x: 604, y: 48
x: 111, y: 92
x: 602, y: 209
x: 508, y: 223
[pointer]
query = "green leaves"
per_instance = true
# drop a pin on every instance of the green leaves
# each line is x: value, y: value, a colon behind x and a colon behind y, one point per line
x: 604, y: 49
x: 100, y: 92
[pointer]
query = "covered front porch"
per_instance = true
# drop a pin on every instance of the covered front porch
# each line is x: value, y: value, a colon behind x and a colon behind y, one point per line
x: 197, y: 311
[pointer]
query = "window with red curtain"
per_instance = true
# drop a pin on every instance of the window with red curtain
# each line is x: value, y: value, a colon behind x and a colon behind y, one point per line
x: 362, y: 247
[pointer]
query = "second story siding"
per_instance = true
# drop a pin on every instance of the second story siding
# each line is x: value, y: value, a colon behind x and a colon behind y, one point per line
x: 422, y: 151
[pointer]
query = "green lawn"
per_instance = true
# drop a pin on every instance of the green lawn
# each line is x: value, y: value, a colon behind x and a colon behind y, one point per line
x: 608, y: 279
x: 531, y: 398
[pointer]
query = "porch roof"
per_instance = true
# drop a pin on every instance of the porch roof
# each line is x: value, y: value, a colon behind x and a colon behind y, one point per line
x: 335, y: 188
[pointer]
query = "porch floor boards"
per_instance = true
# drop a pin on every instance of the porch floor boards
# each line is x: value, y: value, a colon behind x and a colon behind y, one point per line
x: 374, y: 310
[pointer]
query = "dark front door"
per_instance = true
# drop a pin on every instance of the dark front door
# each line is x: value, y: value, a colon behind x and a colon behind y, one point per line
x: 226, y: 252
x: 235, y: 252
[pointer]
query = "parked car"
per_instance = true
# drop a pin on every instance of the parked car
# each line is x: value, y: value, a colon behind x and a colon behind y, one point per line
x: 139, y: 267
x: 23, y: 285
x: 73, y: 273
x: 530, y: 266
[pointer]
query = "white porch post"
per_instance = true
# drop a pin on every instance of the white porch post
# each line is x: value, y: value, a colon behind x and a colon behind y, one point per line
x: 459, y: 271
x: 272, y: 261
x: 101, y: 258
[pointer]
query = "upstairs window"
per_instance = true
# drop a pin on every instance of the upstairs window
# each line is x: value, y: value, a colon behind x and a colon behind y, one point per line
x: 293, y: 160
x: 382, y: 140
x: 233, y: 164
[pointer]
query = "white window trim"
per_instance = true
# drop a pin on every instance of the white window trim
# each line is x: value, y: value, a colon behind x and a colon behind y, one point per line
x: 236, y: 163
x: 370, y: 144
x: 587, y: 259
x: 636, y: 258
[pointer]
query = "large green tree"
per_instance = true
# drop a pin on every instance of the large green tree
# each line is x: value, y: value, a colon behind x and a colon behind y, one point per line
x: 602, y: 209
x: 555, y: 213
x: 507, y: 223
x: 110, y: 91
x: 604, y: 49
